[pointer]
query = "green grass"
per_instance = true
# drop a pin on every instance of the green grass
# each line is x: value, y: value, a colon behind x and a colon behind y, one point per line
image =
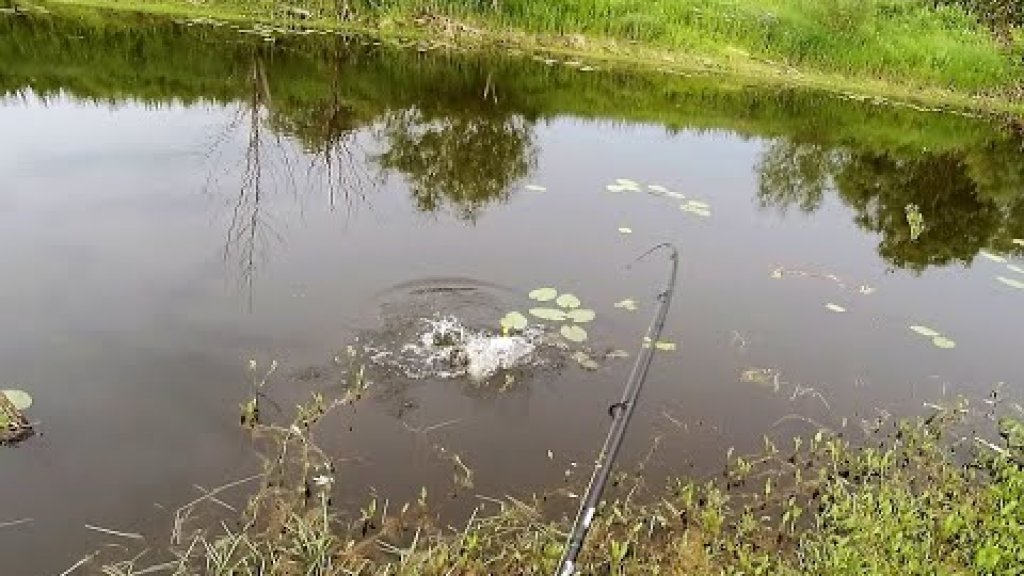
x: 909, y: 48
x: 917, y: 497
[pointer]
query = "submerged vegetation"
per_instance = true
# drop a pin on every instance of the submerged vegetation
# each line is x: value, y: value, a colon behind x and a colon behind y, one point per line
x: 913, y: 497
x: 953, y: 47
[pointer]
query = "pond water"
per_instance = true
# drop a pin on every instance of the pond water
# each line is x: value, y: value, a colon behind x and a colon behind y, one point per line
x: 177, y: 200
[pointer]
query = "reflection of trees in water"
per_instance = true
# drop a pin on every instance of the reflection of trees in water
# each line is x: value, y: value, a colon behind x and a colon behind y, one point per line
x: 270, y: 163
x: 969, y: 201
x: 794, y: 174
x: 329, y: 130
x: 266, y: 164
x: 462, y: 160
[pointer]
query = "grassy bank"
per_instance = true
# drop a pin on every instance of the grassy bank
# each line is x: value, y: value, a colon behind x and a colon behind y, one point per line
x: 916, y: 50
x: 919, y: 497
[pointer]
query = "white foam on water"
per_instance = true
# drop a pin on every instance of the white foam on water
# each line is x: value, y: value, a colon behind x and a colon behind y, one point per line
x: 487, y: 354
x: 445, y: 348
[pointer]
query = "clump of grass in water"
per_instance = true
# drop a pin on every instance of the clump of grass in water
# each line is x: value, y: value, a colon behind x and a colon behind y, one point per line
x: 901, y: 504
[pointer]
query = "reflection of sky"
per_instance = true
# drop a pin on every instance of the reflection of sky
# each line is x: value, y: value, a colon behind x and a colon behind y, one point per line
x: 123, y: 319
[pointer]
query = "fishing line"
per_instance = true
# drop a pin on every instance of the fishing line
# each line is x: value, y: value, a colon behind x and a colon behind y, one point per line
x: 621, y: 412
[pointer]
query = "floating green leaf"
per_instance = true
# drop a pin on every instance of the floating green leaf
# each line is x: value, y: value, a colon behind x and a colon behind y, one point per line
x: 568, y: 301
x: 19, y: 398
x: 581, y: 315
x: 943, y: 342
x: 624, y: 230
x: 697, y: 210
x: 550, y: 314
x: 1015, y: 268
x: 1011, y: 282
x: 584, y: 360
x: 513, y: 321
x: 993, y: 257
x: 757, y: 375
x: 535, y: 188
x: 573, y: 333
x: 835, y: 307
x: 627, y: 304
x: 544, y: 294
x: 925, y: 331
x: 665, y: 346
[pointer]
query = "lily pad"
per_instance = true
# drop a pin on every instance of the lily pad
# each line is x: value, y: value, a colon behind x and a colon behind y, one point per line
x: 835, y: 308
x: 624, y: 230
x: 573, y: 333
x: 514, y: 321
x: 761, y: 377
x: 943, y: 342
x: 550, y: 314
x: 925, y: 331
x: 544, y: 294
x: 993, y: 257
x: 1015, y: 268
x: 568, y: 301
x: 535, y: 188
x: 1011, y: 282
x: 581, y: 315
x: 627, y: 304
x: 697, y: 210
x: 19, y: 398
x: 584, y: 360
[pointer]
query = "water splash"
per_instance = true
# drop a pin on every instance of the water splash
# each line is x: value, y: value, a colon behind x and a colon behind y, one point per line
x: 443, y: 347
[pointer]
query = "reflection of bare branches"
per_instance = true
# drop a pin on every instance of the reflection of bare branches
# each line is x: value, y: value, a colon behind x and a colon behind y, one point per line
x: 331, y: 135
x: 265, y: 164
x: 338, y: 158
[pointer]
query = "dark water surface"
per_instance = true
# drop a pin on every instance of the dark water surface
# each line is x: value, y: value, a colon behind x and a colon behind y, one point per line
x: 177, y: 200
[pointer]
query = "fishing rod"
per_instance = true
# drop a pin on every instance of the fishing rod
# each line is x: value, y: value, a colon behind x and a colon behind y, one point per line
x: 621, y: 413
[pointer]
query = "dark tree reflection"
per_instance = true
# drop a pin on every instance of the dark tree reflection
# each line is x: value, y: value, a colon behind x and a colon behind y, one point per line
x: 463, y: 162
x: 793, y: 174
x: 969, y: 201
